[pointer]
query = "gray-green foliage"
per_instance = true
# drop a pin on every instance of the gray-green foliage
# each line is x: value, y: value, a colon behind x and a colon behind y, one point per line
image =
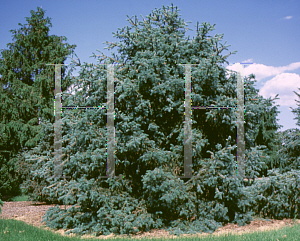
x: 149, y: 138
x: 290, y: 151
x: 278, y: 196
x: 285, y: 155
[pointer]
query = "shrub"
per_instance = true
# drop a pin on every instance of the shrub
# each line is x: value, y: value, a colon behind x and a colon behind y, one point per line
x: 277, y: 196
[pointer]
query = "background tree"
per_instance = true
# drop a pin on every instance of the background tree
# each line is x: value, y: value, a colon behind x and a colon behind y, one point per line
x: 28, y: 93
x: 267, y: 134
x: 290, y: 147
x: 278, y: 196
x: 149, y: 137
x: 296, y: 111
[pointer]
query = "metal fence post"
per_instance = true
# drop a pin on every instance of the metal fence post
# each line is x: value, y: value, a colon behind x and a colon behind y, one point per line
x: 57, y: 124
x: 188, y: 153
x: 240, y: 124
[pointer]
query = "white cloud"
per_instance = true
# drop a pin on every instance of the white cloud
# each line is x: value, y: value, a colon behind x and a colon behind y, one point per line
x: 288, y: 17
x: 262, y: 71
x: 283, y: 84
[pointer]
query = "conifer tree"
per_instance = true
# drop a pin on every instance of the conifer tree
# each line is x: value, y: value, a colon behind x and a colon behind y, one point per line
x: 290, y: 148
x: 26, y: 93
x: 267, y: 135
x: 149, y: 138
x: 284, y: 153
x: 278, y: 196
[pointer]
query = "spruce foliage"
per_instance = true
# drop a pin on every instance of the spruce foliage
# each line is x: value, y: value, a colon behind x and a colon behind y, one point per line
x: 278, y: 196
x: 149, y: 139
x: 287, y: 151
x: 28, y: 94
x: 284, y: 153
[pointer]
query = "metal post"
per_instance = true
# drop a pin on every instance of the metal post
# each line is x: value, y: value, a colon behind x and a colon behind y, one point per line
x: 188, y: 125
x: 110, y: 122
x: 240, y: 124
x: 57, y: 125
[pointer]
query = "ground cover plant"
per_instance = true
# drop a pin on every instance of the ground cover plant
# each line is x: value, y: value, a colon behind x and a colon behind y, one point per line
x: 149, y: 142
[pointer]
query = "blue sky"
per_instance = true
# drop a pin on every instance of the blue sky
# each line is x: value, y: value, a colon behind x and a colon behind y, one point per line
x: 265, y: 33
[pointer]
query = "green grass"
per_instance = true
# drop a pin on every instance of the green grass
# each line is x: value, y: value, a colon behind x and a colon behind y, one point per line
x: 18, y: 198
x: 14, y: 198
x: 12, y: 230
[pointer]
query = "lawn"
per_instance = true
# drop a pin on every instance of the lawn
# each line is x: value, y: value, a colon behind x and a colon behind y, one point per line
x: 12, y: 230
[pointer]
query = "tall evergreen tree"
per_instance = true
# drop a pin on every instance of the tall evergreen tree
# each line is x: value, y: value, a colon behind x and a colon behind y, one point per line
x: 278, y: 196
x: 290, y: 148
x: 149, y: 137
x: 266, y: 134
x: 284, y: 153
x: 296, y: 111
x: 27, y: 90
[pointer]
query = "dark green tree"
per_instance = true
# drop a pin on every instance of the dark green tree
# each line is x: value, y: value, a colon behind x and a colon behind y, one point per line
x: 26, y: 93
x: 149, y: 137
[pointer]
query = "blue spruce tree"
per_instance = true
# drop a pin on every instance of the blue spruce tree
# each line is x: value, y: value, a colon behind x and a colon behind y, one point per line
x: 149, y: 138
